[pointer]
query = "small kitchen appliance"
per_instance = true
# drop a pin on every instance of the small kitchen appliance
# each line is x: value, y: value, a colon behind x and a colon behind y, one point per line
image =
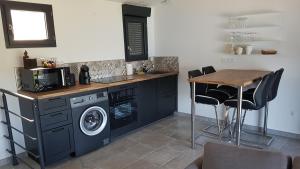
x: 45, y: 79
x: 84, y: 75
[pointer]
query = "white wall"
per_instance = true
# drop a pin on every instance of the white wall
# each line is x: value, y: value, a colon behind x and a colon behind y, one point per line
x: 85, y: 31
x: 191, y: 29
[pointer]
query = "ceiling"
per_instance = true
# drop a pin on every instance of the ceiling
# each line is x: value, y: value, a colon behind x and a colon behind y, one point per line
x: 142, y: 2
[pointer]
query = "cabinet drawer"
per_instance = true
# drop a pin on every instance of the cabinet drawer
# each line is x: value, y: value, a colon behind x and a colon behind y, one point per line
x: 55, y: 104
x: 58, y: 143
x: 56, y: 119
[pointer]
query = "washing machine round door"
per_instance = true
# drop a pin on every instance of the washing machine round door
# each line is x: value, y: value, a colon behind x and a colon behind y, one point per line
x: 93, y: 121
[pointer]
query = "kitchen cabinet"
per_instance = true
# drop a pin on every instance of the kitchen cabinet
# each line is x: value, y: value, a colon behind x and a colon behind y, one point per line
x: 147, y: 108
x: 58, y: 143
x: 154, y: 99
x: 157, y: 99
x: 166, y: 96
x: 56, y: 128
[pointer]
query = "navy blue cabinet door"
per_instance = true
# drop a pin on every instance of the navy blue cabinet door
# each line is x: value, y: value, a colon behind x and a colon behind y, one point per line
x: 147, y: 102
x: 167, y: 96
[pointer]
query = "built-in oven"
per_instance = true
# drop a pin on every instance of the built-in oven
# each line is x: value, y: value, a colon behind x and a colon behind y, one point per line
x: 123, y: 109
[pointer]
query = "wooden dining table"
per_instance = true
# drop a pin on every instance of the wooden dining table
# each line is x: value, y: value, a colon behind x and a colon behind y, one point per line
x: 238, y: 78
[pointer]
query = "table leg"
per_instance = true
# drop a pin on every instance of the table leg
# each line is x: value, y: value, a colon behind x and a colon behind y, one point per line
x: 193, y: 115
x: 238, y: 115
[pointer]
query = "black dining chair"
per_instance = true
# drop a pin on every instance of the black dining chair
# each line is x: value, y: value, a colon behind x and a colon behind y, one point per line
x: 208, y: 97
x: 271, y: 96
x: 229, y: 90
x: 256, y: 100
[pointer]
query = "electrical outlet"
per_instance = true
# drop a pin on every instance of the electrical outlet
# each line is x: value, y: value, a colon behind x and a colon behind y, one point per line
x: 227, y: 60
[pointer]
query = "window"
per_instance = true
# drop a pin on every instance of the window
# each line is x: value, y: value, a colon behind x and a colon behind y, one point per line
x: 136, y: 45
x: 27, y: 25
x: 135, y: 32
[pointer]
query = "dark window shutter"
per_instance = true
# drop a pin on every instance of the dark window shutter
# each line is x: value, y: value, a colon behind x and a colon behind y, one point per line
x: 135, y: 36
x: 135, y: 39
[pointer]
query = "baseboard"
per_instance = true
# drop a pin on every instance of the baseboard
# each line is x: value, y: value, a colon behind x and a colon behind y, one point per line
x: 248, y: 127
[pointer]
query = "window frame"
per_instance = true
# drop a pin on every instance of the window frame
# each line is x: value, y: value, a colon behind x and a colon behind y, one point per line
x: 143, y: 20
x: 6, y: 8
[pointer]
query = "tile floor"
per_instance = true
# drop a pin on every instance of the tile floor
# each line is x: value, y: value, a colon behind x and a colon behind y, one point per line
x: 162, y: 145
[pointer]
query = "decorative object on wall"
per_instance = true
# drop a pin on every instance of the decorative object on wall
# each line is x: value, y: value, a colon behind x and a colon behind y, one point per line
x: 253, y: 32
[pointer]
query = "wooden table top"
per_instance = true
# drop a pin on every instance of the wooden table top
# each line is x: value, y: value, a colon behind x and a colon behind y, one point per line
x: 231, y: 77
x: 93, y: 86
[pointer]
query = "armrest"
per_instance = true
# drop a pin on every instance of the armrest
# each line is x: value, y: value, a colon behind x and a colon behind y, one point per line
x: 197, y: 164
x: 296, y: 163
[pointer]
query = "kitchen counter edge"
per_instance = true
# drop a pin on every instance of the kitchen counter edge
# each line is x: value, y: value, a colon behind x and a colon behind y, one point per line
x: 93, y: 86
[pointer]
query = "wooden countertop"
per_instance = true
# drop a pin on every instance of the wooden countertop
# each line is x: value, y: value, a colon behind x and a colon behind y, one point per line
x: 93, y: 86
x: 232, y: 77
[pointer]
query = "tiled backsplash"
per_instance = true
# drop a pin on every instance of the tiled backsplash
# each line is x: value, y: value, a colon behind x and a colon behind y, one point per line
x: 100, y: 69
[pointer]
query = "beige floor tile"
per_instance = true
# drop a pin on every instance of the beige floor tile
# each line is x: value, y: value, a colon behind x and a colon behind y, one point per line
x: 181, y: 161
x: 162, y: 156
x: 140, y: 150
x: 116, y: 161
x: 142, y: 164
x: 155, y: 140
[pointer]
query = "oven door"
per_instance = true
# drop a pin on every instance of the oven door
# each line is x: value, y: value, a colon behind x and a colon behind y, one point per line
x: 123, y: 113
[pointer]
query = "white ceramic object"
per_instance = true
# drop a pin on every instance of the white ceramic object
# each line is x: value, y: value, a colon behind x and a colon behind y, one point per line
x: 129, y: 69
x: 249, y: 49
x: 239, y: 51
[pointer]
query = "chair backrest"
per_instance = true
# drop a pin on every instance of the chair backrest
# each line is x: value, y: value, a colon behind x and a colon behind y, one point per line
x: 200, y: 89
x: 223, y: 156
x: 274, y: 89
x: 262, y: 90
x: 208, y: 70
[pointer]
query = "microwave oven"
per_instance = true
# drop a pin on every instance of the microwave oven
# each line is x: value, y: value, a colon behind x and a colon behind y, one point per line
x: 46, y: 79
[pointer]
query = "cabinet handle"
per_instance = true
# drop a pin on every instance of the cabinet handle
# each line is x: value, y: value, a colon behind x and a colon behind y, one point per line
x: 57, y: 114
x: 54, y: 99
x: 57, y: 130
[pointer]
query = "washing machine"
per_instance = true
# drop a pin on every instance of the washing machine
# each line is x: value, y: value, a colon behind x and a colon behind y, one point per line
x: 90, y: 113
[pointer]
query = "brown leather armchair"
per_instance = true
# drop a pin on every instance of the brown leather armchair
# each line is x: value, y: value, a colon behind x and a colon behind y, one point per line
x: 221, y: 156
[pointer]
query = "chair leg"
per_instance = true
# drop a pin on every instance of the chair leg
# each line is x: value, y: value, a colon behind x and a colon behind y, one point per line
x: 232, y: 131
x: 266, y: 119
x: 217, y: 119
x: 226, y: 120
x: 243, y: 120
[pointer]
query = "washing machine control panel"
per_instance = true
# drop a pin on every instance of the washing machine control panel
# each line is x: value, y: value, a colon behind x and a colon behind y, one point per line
x: 88, y: 99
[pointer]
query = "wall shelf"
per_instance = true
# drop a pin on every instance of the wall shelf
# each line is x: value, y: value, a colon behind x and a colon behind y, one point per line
x: 257, y: 31
x: 256, y: 14
x: 251, y: 28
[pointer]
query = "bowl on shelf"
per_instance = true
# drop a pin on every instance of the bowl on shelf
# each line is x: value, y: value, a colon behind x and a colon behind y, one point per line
x: 269, y: 52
